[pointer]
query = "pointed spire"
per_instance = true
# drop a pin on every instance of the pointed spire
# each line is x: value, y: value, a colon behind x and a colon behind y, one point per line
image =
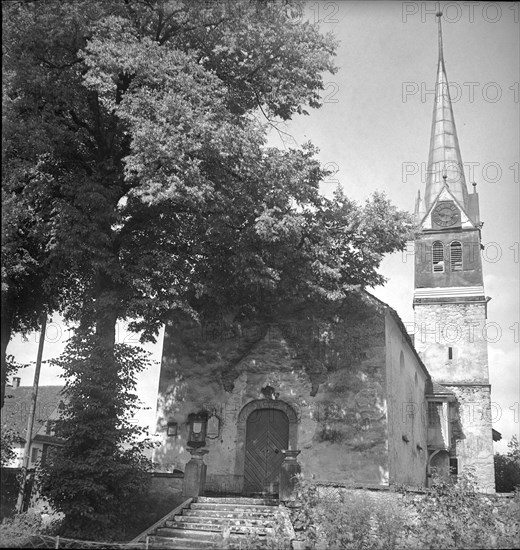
x: 444, y: 161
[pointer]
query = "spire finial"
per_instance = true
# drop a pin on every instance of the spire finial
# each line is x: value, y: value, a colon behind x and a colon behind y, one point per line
x: 439, y: 15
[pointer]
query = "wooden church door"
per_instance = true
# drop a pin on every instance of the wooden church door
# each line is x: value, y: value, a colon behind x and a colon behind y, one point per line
x: 267, y: 434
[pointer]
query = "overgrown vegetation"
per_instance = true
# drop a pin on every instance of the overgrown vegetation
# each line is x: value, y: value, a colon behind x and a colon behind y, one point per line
x: 507, y: 468
x: 346, y: 519
x: 21, y: 530
x: 455, y: 515
x: 446, y: 516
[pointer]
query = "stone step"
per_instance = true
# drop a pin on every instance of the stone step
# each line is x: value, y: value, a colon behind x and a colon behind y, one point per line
x: 216, y: 528
x: 258, y: 522
x: 228, y: 514
x: 187, y: 534
x: 202, y: 524
x: 180, y: 543
x: 239, y: 500
x: 230, y: 507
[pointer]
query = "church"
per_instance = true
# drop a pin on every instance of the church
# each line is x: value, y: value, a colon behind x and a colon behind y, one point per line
x: 345, y: 395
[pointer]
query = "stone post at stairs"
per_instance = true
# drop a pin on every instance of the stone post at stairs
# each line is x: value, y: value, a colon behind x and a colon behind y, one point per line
x: 194, y: 474
x: 290, y: 468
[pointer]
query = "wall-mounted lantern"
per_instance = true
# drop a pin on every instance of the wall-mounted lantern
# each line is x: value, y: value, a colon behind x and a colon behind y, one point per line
x: 197, y: 426
x: 172, y: 429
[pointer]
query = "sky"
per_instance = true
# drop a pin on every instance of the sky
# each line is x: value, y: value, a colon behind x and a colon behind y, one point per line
x: 373, y: 130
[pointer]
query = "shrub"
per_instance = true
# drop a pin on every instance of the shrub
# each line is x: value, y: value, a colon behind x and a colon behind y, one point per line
x: 455, y: 515
x: 347, y: 519
x: 448, y: 516
x: 19, y: 531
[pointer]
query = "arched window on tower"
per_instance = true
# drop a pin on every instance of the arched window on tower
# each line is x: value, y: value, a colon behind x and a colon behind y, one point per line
x: 438, y: 257
x: 456, y: 256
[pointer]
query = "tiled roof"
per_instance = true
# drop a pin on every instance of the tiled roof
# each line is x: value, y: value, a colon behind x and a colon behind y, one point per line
x: 17, y: 405
x: 438, y: 389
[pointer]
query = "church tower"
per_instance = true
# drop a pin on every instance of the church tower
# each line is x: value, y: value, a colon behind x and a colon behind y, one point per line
x: 449, y: 301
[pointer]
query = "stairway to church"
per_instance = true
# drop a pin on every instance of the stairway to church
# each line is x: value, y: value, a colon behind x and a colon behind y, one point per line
x: 218, y: 522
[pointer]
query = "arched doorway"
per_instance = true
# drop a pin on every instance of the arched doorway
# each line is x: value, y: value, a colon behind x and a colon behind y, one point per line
x: 265, y: 428
x: 439, y: 462
x: 267, y: 434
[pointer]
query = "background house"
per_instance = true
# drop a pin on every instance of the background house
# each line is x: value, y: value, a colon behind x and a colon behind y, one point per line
x: 15, y: 414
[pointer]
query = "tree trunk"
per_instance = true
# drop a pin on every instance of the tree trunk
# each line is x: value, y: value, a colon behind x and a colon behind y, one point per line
x: 105, y: 368
x: 108, y: 304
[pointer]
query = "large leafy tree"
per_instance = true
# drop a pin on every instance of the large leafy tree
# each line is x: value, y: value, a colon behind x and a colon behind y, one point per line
x: 135, y: 151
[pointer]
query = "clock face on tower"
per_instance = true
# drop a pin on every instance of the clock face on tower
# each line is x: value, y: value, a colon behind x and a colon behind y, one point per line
x: 446, y: 214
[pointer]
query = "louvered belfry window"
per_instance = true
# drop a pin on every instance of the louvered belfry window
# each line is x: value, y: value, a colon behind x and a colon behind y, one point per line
x: 456, y: 256
x: 438, y: 257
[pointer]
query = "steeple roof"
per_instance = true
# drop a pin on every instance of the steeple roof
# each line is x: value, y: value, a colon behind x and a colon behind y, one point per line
x: 444, y: 162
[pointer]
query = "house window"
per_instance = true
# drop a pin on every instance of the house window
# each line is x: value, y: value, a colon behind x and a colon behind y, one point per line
x: 450, y: 353
x: 433, y: 413
x: 456, y: 256
x: 438, y: 257
x: 35, y: 454
x: 454, y: 466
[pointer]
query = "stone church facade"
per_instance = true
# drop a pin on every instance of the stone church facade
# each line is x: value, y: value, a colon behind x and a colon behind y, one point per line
x: 344, y: 390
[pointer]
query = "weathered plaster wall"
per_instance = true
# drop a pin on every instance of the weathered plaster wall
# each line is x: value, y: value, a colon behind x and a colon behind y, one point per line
x: 459, y: 326
x: 407, y: 427
x: 474, y: 440
x: 332, y: 372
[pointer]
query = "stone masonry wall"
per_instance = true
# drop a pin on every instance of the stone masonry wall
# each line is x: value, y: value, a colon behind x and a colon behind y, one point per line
x: 474, y: 441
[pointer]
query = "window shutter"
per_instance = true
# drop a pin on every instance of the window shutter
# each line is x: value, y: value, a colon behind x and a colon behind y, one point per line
x: 456, y: 256
x: 438, y: 257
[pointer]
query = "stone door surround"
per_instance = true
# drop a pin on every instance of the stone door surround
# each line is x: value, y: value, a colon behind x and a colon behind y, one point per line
x: 242, y: 424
